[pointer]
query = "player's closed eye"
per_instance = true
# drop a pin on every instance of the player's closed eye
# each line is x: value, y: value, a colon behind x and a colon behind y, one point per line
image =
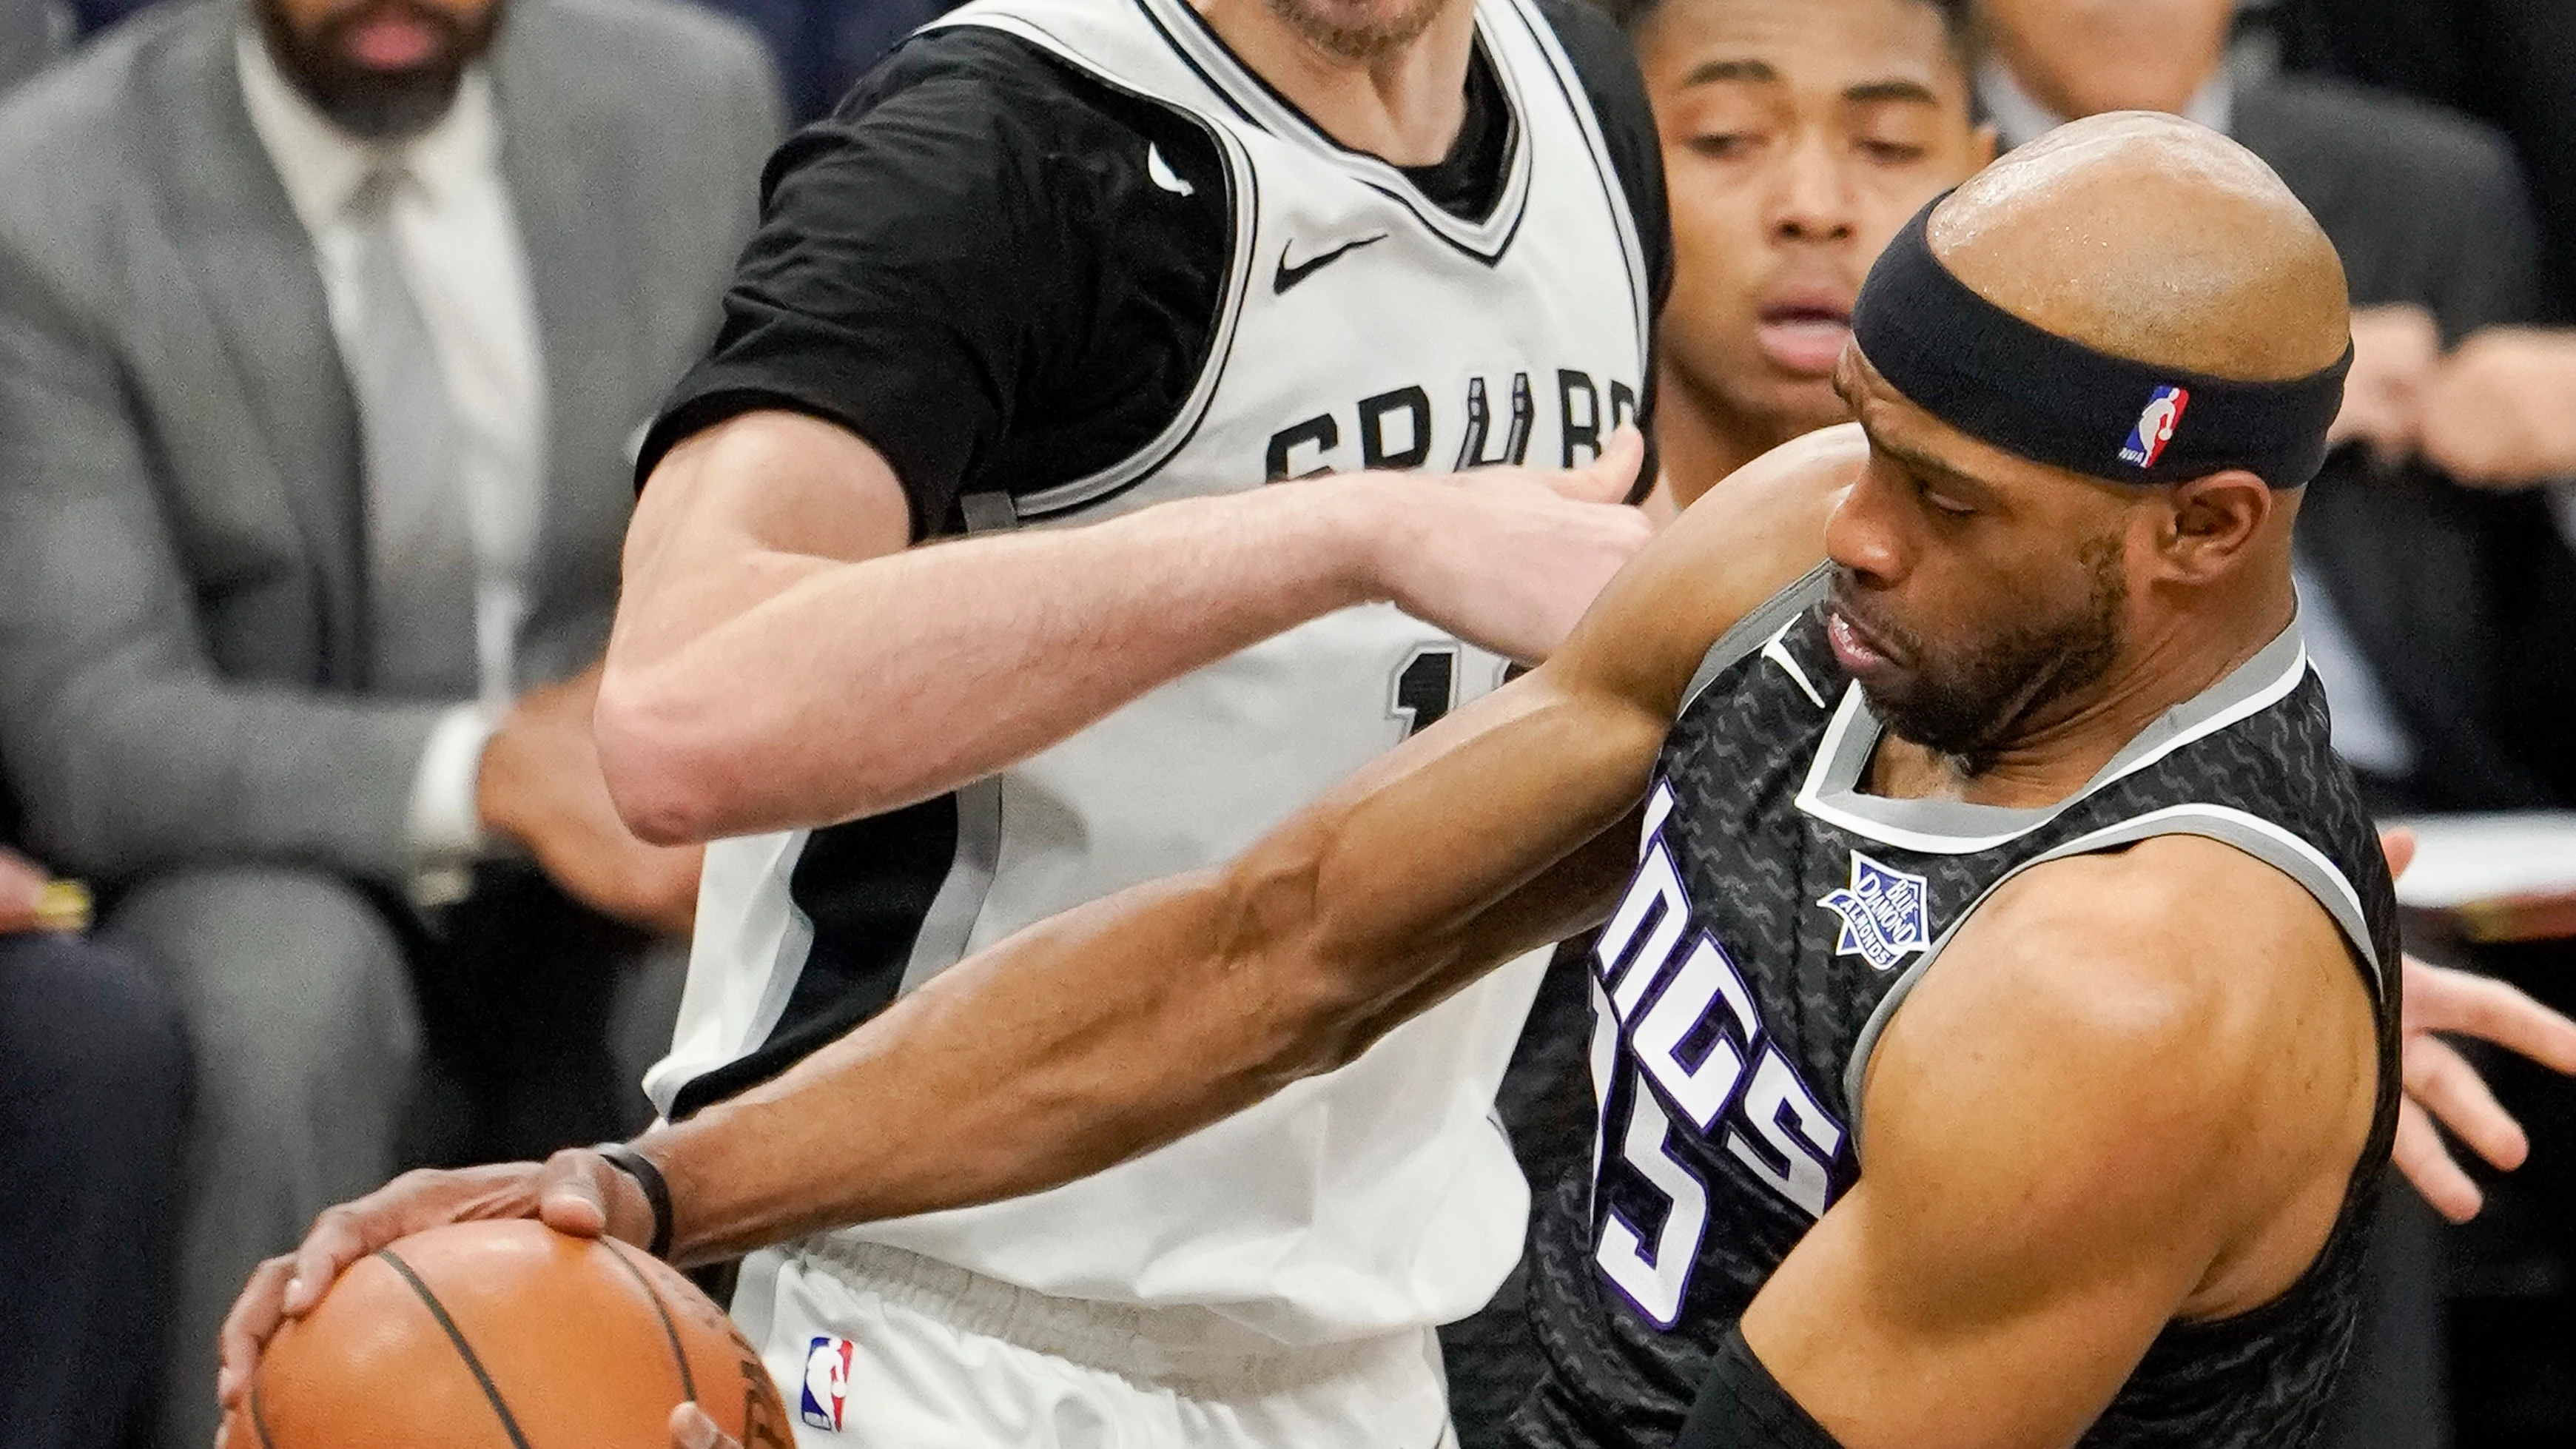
x: 1891, y: 153
x: 1939, y: 500
x: 1726, y: 145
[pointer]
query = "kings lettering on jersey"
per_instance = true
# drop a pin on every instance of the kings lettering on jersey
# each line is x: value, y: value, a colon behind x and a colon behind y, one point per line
x: 1397, y: 428
x: 1698, y: 1060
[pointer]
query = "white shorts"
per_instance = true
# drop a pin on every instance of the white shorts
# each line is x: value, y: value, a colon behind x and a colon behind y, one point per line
x: 876, y: 1347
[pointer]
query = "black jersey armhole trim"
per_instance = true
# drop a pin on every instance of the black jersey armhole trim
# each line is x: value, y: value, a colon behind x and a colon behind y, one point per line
x: 1243, y: 206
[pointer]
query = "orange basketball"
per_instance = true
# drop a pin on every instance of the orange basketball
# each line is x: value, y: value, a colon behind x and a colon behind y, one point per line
x: 507, y: 1335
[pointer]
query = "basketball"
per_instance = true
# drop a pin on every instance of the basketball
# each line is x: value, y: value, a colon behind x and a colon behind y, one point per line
x: 507, y: 1335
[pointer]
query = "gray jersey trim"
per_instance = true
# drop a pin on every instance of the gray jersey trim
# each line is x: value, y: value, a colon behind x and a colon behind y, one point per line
x: 1755, y: 631
x: 1949, y: 827
x: 1243, y: 198
x: 950, y: 921
x: 2252, y: 834
x: 1228, y: 76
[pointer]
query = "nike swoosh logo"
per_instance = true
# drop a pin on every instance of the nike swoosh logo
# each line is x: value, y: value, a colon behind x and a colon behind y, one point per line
x: 1290, y: 276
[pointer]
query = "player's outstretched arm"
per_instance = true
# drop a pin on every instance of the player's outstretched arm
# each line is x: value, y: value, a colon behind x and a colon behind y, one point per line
x: 1104, y: 1032
x: 1127, y: 1023
x: 781, y: 658
x: 2135, y: 1088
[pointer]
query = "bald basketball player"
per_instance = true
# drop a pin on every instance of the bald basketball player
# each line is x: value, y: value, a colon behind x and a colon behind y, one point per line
x: 1799, y: 136
x: 2005, y: 682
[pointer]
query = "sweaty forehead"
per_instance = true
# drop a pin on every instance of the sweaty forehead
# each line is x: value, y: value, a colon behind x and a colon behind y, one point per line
x: 1828, y: 45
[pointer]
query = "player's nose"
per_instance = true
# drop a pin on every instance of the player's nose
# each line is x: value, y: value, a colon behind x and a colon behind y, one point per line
x: 1811, y: 196
x: 1865, y: 535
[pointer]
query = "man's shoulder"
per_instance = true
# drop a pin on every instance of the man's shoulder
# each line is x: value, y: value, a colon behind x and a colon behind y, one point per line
x: 2166, y: 929
x: 969, y: 118
x: 2403, y: 146
x: 76, y: 142
x: 1605, y: 62
x: 106, y: 90
x: 634, y: 52
x: 2165, y: 963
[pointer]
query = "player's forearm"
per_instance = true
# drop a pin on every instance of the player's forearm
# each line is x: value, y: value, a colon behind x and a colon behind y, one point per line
x: 1127, y: 1023
x: 836, y: 690
x: 1071, y: 1047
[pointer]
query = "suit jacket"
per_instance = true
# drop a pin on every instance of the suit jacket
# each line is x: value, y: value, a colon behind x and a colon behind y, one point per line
x: 32, y: 32
x: 182, y: 590
x: 2426, y: 207
x: 2505, y: 63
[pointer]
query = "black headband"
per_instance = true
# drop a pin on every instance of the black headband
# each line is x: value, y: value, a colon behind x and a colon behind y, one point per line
x: 2054, y: 400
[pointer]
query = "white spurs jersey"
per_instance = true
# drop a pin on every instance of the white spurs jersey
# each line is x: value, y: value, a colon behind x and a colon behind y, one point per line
x: 1359, y: 326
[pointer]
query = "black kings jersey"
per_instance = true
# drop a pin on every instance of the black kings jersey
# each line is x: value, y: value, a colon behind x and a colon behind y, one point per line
x: 1776, y: 922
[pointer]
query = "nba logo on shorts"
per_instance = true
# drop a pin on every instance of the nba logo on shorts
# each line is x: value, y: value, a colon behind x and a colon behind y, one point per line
x: 827, y: 1381
x: 2155, y: 427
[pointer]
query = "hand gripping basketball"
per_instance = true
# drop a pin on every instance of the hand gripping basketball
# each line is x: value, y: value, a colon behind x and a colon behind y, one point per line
x: 508, y: 1335
x: 575, y: 1192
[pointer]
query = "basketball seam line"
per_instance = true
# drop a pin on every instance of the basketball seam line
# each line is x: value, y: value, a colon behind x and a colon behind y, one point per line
x: 259, y: 1421
x: 464, y: 1350
x: 670, y: 1330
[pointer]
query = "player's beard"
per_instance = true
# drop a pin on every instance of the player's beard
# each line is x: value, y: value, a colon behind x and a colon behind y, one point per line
x: 379, y: 105
x: 1968, y: 704
x: 1356, y: 30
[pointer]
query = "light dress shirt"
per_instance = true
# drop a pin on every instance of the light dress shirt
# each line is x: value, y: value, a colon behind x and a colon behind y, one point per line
x: 462, y: 256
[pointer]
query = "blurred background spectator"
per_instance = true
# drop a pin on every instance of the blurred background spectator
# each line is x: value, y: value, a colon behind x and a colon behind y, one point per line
x: 94, y: 1086
x: 2508, y: 62
x: 325, y: 330
x: 93, y: 1097
x: 820, y: 47
x: 824, y: 46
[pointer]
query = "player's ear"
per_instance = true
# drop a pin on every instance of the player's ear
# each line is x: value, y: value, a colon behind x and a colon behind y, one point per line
x: 2209, y: 523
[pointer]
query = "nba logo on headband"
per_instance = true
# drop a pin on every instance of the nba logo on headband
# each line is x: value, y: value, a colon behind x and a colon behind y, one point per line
x: 2155, y: 427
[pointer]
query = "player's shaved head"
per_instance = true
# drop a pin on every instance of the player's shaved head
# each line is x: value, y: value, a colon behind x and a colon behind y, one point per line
x: 2004, y: 597
x: 2148, y: 237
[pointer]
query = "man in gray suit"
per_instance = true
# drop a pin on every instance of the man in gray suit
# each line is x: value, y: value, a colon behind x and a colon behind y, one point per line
x: 325, y: 330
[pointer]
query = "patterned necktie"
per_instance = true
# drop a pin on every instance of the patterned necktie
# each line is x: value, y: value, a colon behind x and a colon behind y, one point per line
x: 420, y: 535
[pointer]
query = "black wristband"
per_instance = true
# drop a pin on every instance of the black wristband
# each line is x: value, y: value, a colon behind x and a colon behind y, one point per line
x: 657, y: 1192
x: 1743, y: 1407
